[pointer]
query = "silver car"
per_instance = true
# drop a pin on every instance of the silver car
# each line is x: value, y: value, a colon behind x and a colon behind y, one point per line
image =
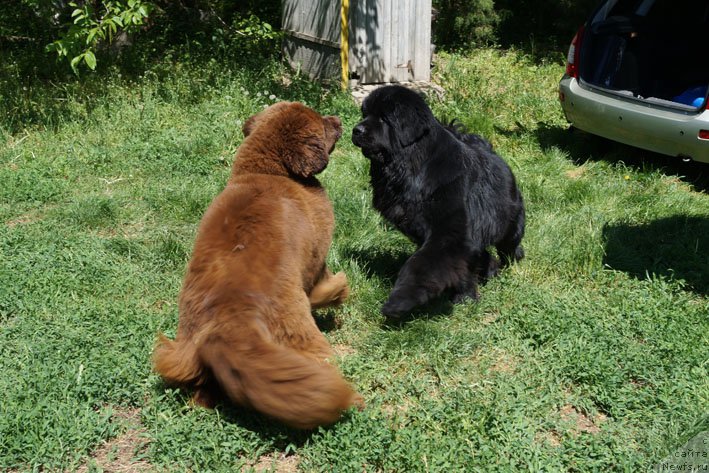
x: 637, y: 72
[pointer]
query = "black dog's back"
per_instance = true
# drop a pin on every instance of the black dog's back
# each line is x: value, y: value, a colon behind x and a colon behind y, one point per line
x: 494, y: 186
x: 458, y: 130
x: 444, y: 188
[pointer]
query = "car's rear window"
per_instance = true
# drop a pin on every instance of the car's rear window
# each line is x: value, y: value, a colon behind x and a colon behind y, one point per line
x: 624, y: 8
x: 692, y: 13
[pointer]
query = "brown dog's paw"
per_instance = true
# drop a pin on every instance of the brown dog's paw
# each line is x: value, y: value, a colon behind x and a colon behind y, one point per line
x: 331, y: 290
x: 340, y: 280
x: 358, y: 401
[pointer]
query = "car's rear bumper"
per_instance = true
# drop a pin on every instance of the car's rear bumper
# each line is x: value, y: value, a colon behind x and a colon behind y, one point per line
x: 659, y: 129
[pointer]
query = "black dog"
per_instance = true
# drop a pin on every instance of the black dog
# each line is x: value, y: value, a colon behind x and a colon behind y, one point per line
x: 443, y: 188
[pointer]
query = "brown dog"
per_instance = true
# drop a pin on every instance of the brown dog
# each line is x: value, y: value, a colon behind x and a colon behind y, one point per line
x: 257, y: 270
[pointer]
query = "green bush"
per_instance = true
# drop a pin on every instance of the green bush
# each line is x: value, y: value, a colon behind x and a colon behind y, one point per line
x: 543, y: 24
x: 550, y: 23
x: 464, y: 23
x: 93, y: 25
x: 84, y: 33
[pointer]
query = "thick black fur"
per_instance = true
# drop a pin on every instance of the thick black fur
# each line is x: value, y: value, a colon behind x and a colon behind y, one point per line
x: 446, y: 190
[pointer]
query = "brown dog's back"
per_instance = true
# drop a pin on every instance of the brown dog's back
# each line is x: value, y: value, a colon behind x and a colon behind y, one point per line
x: 245, y: 326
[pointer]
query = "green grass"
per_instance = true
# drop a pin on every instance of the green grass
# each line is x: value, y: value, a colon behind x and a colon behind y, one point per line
x: 590, y: 354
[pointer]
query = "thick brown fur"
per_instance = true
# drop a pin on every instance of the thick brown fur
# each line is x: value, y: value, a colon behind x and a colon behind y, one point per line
x: 258, y: 268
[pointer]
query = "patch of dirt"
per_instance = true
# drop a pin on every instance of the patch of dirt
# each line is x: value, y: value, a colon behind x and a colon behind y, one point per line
x: 577, y: 423
x: 575, y: 173
x: 490, y: 318
x: 397, y: 413
x: 341, y: 350
x: 278, y: 463
x: 495, y: 360
x: 580, y: 422
x: 107, y: 233
x: 21, y: 220
x: 161, y: 303
x: 504, y: 364
x: 402, y: 407
x: 552, y: 438
x: 118, y: 454
x: 638, y: 383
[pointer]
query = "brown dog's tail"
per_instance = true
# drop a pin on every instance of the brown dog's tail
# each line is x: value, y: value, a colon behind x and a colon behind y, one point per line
x: 256, y: 372
x: 278, y: 381
x: 177, y: 362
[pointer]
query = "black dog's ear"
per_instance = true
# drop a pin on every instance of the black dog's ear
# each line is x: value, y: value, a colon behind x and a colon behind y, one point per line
x: 307, y: 159
x: 411, y: 124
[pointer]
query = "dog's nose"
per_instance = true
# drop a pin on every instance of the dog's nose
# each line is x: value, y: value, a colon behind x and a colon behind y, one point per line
x: 358, y: 130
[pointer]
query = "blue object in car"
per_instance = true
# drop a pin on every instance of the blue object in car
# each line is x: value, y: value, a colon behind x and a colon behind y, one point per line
x: 694, y: 96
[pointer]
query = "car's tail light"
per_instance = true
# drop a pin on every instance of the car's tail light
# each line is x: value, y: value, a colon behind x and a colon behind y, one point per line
x: 572, y: 59
x: 704, y: 134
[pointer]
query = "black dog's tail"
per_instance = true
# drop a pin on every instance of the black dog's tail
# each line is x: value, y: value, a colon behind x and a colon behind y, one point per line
x: 458, y: 130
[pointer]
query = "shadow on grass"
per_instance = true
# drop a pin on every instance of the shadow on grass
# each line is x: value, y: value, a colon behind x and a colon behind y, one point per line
x: 378, y: 263
x: 270, y: 431
x: 583, y: 147
x: 327, y: 319
x: 674, y: 247
x: 385, y: 266
x: 440, y: 307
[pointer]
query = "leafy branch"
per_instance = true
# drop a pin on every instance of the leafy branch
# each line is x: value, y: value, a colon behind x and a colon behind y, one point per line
x: 94, y: 24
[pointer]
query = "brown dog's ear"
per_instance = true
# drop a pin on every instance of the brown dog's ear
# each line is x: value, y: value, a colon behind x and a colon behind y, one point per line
x: 309, y: 158
x: 333, y: 131
x: 249, y: 125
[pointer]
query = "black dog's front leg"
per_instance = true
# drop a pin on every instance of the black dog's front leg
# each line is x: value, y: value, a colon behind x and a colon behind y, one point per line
x: 426, y: 274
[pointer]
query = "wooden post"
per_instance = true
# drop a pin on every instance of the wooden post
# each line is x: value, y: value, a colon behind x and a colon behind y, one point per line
x: 345, y: 42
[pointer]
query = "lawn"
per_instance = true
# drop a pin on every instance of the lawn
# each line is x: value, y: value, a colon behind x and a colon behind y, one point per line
x: 591, y: 354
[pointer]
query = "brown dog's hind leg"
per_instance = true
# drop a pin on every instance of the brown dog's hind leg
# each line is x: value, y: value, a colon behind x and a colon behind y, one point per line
x: 330, y: 290
x: 208, y: 395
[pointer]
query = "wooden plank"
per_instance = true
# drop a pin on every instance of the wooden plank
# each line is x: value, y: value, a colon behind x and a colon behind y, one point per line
x: 317, y: 18
x: 312, y: 37
x: 390, y: 40
x: 422, y: 54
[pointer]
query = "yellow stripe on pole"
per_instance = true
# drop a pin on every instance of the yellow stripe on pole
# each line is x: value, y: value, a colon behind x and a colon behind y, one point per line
x: 345, y: 42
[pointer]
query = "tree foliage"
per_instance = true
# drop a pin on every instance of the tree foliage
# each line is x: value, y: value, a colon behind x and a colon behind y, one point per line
x: 465, y: 23
x: 471, y: 23
x: 94, y: 23
x: 80, y: 31
x: 85, y: 33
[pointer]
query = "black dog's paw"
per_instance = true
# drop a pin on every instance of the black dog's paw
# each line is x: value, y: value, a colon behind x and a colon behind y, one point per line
x: 519, y: 253
x: 492, y: 269
x: 467, y: 296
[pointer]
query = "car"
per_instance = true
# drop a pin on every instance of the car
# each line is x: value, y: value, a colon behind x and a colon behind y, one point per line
x: 637, y: 73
